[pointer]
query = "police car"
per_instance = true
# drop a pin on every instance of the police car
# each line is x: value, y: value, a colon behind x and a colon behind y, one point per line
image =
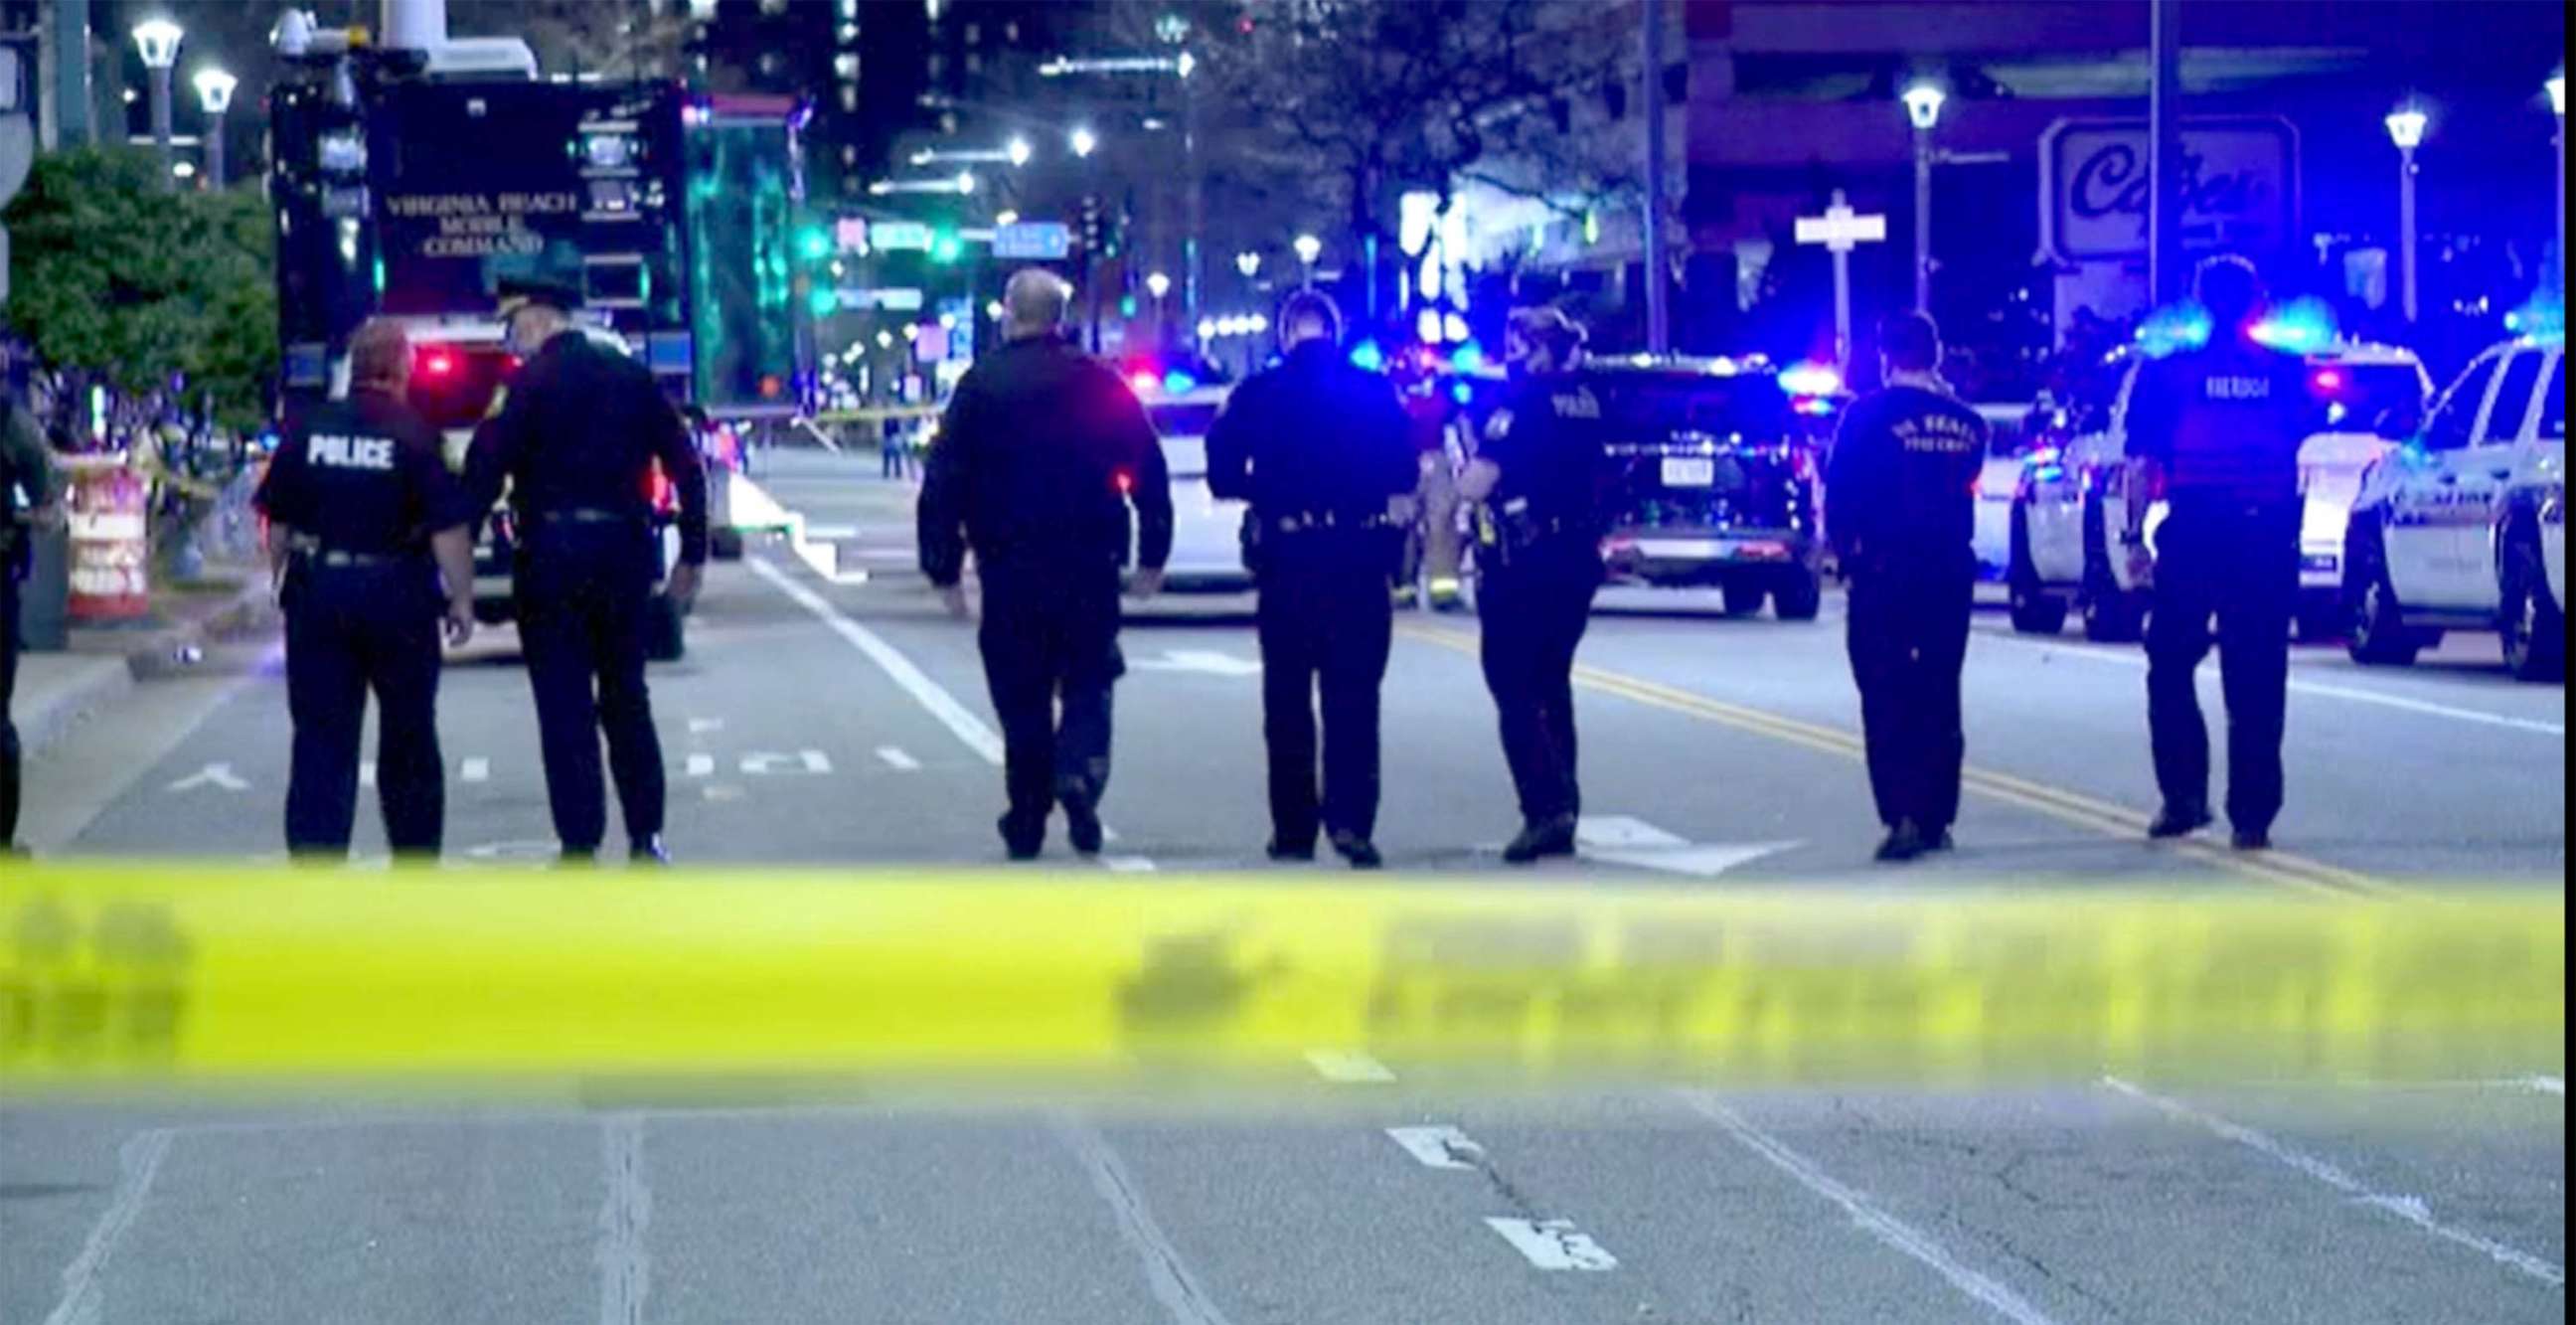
x: 2070, y: 506
x: 2464, y: 527
x: 1714, y: 477
x: 460, y: 368
x: 1207, y: 532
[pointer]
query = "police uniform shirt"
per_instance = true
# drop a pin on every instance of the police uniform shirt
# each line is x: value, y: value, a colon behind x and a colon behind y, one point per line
x: 1901, y: 481
x: 1315, y: 435
x: 579, y: 432
x: 365, y: 475
x: 2225, y: 421
x: 1546, y: 439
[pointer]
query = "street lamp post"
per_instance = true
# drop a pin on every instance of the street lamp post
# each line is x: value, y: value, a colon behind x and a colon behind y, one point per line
x: 158, y: 41
x: 1308, y: 249
x: 215, y: 94
x: 2406, y: 128
x: 1923, y: 103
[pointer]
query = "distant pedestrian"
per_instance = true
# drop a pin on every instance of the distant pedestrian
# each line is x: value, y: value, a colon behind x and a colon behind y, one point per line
x: 1538, y: 472
x: 1904, y: 515
x: 26, y: 469
x: 894, y: 450
x: 576, y: 442
x: 1040, y: 456
x: 2215, y: 433
x: 1322, y: 453
x: 373, y: 536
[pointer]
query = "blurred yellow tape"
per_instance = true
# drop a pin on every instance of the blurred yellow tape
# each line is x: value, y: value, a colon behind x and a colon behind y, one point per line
x: 143, y: 976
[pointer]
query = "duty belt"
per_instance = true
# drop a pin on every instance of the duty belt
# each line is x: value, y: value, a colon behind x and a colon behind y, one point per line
x: 585, y: 515
x: 342, y: 557
x: 1303, y: 522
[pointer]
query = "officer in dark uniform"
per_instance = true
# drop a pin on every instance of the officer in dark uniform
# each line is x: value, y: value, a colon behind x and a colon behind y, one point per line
x: 25, y: 467
x: 373, y: 535
x: 1322, y: 452
x: 1537, y: 474
x: 1039, y: 457
x: 1904, y: 517
x: 577, y: 442
x: 2216, y: 432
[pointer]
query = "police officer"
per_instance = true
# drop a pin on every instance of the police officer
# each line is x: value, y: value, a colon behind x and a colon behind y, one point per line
x: 26, y: 467
x: 1904, y: 518
x: 577, y: 441
x: 1537, y: 474
x: 1322, y: 452
x: 1040, y: 455
x: 2216, y: 432
x: 372, y: 535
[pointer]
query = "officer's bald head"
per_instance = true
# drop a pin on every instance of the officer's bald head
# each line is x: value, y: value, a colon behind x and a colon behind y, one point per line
x: 1033, y: 303
x: 2231, y: 290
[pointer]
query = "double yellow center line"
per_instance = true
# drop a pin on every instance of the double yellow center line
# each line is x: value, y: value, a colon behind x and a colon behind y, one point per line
x: 2105, y: 817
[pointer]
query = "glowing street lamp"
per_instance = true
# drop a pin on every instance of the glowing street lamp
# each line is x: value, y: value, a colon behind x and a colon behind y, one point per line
x: 215, y: 95
x: 1308, y: 249
x: 1158, y: 285
x: 158, y: 40
x: 1923, y: 102
x: 1083, y: 141
x: 2407, y: 126
x: 1017, y: 151
x: 1249, y: 263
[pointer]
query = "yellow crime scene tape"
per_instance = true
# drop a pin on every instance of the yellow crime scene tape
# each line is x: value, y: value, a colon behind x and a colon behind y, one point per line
x: 143, y: 978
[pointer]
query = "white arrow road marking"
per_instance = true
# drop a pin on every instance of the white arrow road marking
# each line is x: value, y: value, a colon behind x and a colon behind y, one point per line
x: 366, y: 772
x: 1438, y: 1147
x: 702, y: 766
x: 1553, y: 1244
x: 2411, y: 1209
x: 1201, y: 660
x: 1621, y: 840
x: 212, y: 775
x: 896, y: 759
x: 760, y: 762
x: 1348, y: 1066
x: 724, y: 792
x: 475, y: 770
x: 699, y: 725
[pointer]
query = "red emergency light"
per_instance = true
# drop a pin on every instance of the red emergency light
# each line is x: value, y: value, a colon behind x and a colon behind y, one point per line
x: 438, y: 363
x: 2329, y: 380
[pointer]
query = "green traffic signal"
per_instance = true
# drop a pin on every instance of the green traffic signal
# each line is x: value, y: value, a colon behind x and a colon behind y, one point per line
x: 945, y: 246
x: 813, y: 243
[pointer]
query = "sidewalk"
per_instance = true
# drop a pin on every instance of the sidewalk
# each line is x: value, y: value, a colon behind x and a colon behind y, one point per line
x: 100, y: 664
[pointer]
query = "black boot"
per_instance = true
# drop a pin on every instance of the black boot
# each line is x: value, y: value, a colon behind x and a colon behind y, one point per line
x: 1358, y: 850
x: 1904, y: 842
x: 2179, y: 821
x: 1287, y: 852
x: 648, y: 850
x: 1082, y: 826
x: 1540, y: 840
x: 2252, y: 839
x: 1019, y: 840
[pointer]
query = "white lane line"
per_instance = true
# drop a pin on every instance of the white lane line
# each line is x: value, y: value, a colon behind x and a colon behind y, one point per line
x: 2412, y: 1209
x: 1127, y: 864
x: 1869, y: 1217
x: 761, y: 763
x: 1173, y: 1285
x: 1438, y: 1147
x: 366, y: 772
x: 2547, y: 1085
x: 897, y: 760
x: 1553, y: 1244
x: 702, y: 766
x: 699, y: 725
x: 624, y: 1213
x: 475, y: 770
x: 138, y: 1161
x: 968, y: 728
x: 1348, y: 1066
x: 2322, y: 690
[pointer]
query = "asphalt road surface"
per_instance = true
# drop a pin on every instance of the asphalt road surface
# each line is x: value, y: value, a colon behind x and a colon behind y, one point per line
x: 842, y: 719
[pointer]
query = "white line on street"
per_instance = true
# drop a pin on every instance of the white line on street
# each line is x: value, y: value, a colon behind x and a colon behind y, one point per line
x: 212, y: 775
x: 698, y: 725
x: 831, y: 533
x: 2322, y: 690
x: 366, y: 772
x: 968, y: 728
x: 1174, y: 1286
x: 1127, y: 864
x: 624, y: 1268
x: 725, y: 792
x: 2547, y: 1085
x: 475, y: 770
x: 2411, y: 1209
x: 764, y: 762
x: 1348, y: 1066
x: 702, y: 766
x: 138, y: 1161
x: 897, y: 760
x: 1438, y: 1147
x: 1876, y: 1222
x: 1553, y: 1244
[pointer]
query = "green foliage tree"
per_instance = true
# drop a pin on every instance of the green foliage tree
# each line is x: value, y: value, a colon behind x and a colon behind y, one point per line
x: 114, y: 275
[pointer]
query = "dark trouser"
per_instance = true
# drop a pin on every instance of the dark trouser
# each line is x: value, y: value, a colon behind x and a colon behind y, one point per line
x: 1908, y: 637
x: 1534, y: 613
x: 2240, y: 563
x: 9, y: 756
x: 585, y: 594
x: 349, y: 630
x: 1050, y: 637
x: 1326, y: 624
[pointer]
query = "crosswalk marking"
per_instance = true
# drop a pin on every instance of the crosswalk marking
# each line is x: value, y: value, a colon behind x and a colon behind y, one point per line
x: 1553, y: 1244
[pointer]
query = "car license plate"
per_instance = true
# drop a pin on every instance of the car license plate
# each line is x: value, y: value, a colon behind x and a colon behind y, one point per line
x: 1689, y: 472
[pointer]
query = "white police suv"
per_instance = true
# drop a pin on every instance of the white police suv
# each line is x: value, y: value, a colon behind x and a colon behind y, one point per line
x: 2465, y: 526
x: 2070, y: 507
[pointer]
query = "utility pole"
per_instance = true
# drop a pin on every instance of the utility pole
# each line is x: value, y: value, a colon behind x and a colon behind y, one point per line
x: 1659, y: 327
x: 2164, y: 157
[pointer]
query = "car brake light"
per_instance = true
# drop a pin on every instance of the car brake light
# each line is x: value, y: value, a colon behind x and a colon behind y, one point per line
x: 657, y: 488
x: 2329, y: 380
x: 437, y: 363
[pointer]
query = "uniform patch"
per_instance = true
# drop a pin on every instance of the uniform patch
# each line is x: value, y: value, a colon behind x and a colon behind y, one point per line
x: 338, y: 452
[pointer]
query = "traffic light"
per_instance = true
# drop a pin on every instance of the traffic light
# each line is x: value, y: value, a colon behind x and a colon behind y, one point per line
x: 813, y: 243
x: 945, y: 246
